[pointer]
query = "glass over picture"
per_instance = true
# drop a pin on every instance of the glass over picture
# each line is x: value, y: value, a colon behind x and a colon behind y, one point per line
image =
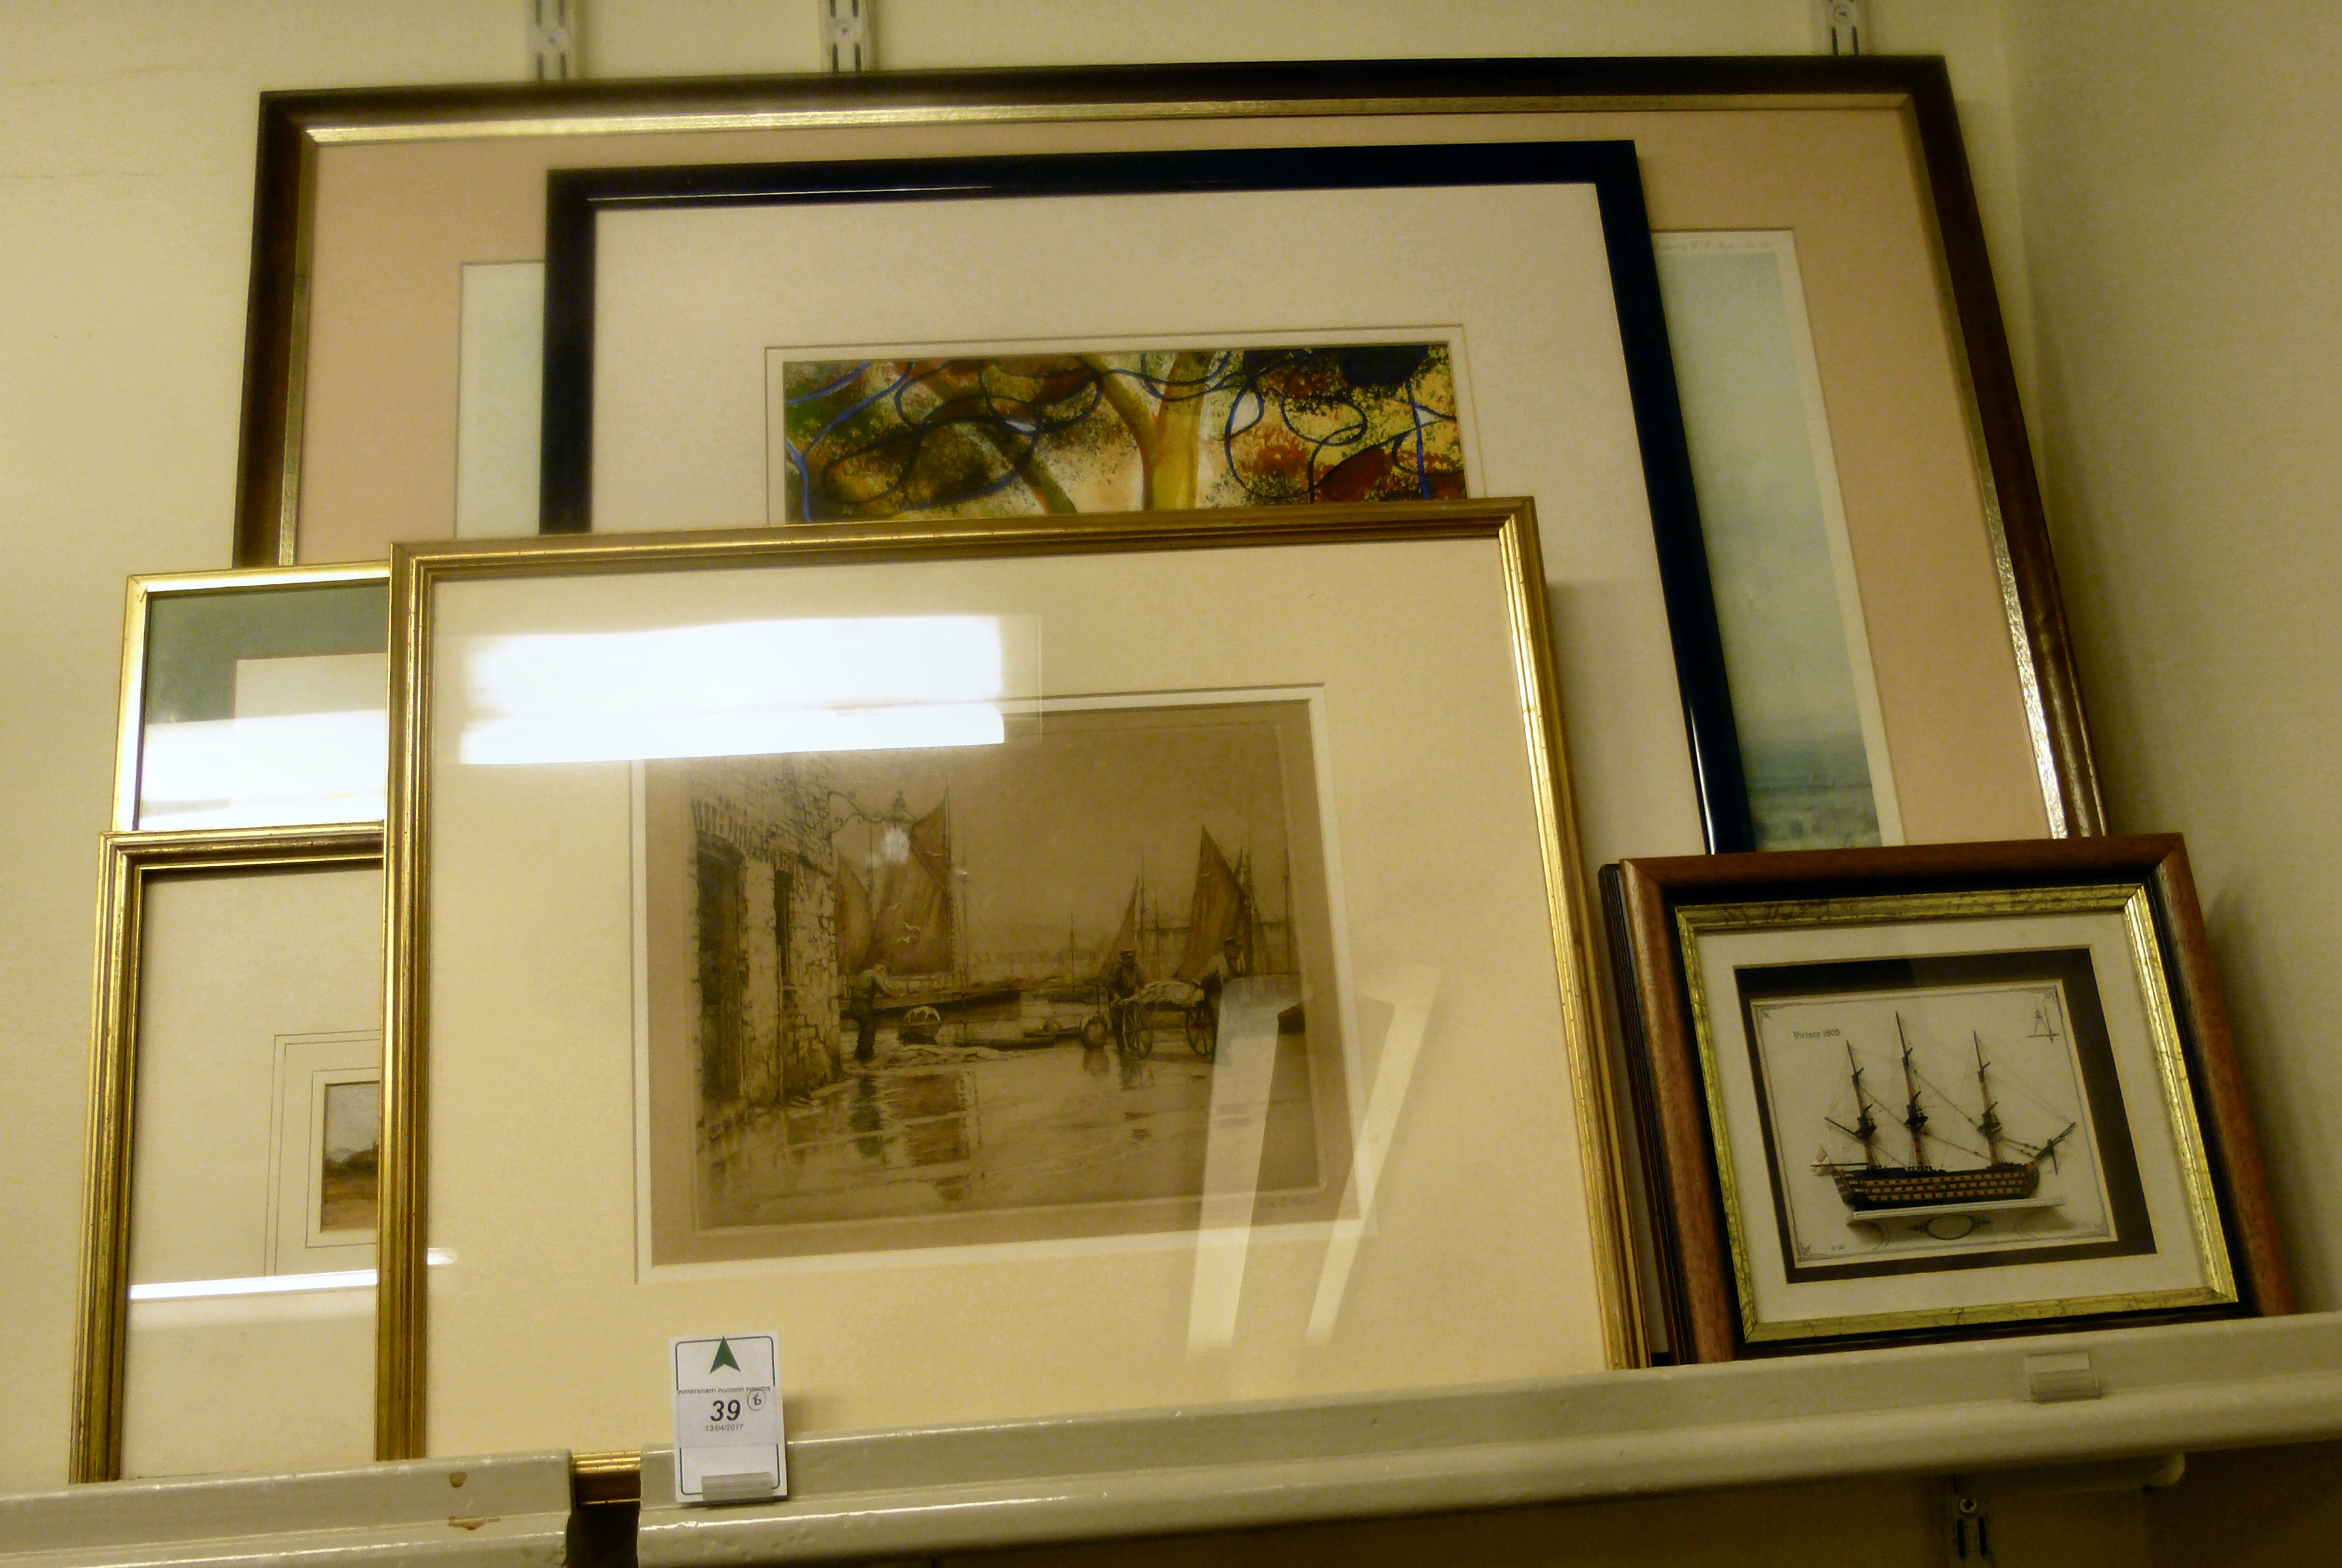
x: 909, y: 436
x: 1002, y: 992
x: 1788, y: 607
x: 1960, y: 1113
x: 264, y: 706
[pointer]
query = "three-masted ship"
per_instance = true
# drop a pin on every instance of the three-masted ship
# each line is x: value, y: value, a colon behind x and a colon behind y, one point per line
x: 1878, y: 1183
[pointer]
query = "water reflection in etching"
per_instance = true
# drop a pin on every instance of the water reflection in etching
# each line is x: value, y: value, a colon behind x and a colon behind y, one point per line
x: 1053, y: 1123
x: 895, y: 986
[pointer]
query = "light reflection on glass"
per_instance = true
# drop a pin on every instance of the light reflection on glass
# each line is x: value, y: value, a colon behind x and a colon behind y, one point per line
x: 273, y: 1284
x: 1243, y: 1066
x: 624, y: 737
x: 279, y: 769
x: 739, y: 689
x: 1412, y: 990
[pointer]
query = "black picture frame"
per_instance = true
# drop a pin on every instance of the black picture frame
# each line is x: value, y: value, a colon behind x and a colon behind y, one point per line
x: 576, y: 197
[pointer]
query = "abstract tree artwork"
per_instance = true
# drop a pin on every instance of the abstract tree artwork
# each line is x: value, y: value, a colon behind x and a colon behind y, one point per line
x: 1130, y: 430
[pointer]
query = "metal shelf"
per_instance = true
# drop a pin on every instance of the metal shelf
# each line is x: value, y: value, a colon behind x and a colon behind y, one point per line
x: 508, y: 1511
x: 1997, y: 1404
x: 1931, y: 1410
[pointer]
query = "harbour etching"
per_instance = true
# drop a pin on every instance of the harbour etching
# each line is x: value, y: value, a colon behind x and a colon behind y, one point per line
x: 920, y: 997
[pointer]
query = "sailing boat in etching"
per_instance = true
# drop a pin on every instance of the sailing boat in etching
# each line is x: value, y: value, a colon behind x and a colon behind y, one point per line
x: 1878, y: 1182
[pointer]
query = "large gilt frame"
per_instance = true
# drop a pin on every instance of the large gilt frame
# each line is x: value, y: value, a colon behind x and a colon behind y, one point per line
x: 416, y: 572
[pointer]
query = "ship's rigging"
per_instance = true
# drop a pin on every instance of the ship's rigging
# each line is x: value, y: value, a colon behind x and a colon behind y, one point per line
x: 1879, y: 1181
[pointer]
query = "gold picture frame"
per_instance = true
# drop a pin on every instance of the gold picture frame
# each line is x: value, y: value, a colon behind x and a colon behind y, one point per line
x: 130, y: 862
x: 437, y: 896
x: 169, y: 596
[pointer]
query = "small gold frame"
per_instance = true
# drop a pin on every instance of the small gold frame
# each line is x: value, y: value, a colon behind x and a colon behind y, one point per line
x: 127, y: 861
x: 142, y: 593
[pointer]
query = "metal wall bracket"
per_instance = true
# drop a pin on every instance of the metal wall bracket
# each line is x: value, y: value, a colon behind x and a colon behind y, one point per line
x: 1967, y: 1530
x: 1847, y: 22
x: 849, y: 35
x: 553, y: 28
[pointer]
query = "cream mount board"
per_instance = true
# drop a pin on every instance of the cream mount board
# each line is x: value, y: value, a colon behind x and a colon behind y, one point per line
x: 1430, y: 736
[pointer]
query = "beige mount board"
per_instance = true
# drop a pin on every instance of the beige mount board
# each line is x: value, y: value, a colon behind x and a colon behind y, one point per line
x: 1851, y: 158
x: 1455, y: 979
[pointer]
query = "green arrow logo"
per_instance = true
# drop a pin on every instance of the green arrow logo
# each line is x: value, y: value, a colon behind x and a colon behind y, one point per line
x: 723, y: 1357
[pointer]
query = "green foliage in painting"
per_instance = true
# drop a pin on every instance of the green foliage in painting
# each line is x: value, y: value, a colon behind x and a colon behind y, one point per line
x: 1126, y: 430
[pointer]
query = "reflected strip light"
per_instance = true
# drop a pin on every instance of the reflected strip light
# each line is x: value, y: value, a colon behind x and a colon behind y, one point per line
x: 1243, y: 1071
x: 624, y: 737
x: 273, y: 1284
x: 737, y: 689
x: 1413, y: 989
x: 284, y: 767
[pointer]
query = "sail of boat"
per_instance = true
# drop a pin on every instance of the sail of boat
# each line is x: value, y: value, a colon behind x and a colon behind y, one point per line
x: 910, y: 929
x: 1220, y: 910
x: 1126, y: 935
x: 851, y: 915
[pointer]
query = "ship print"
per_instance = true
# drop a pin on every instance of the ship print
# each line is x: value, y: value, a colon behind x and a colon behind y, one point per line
x: 1880, y: 1182
x: 1937, y: 1113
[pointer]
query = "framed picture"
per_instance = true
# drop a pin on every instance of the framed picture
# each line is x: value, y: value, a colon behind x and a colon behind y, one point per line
x: 1088, y: 782
x: 1047, y: 965
x: 228, y: 1280
x: 1918, y: 1094
x: 1927, y: 691
x: 254, y: 698
x: 697, y: 374
x: 325, y: 1152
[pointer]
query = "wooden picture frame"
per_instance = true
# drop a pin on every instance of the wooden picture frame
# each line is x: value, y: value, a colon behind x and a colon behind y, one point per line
x: 355, y: 308
x: 1719, y: 958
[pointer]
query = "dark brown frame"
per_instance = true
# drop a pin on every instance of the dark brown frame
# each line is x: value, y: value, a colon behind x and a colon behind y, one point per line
x: 1640, y: 898
x: 294, y: 124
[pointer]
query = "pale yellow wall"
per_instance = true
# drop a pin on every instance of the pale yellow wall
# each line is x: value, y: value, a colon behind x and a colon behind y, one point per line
x: 2182, y: 215
x: 2182, y: 223
x: 126, y: 160
x: 2254, y: 1508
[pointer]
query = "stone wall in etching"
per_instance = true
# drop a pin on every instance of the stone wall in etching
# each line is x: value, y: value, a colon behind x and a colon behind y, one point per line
x: 774, y: 813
